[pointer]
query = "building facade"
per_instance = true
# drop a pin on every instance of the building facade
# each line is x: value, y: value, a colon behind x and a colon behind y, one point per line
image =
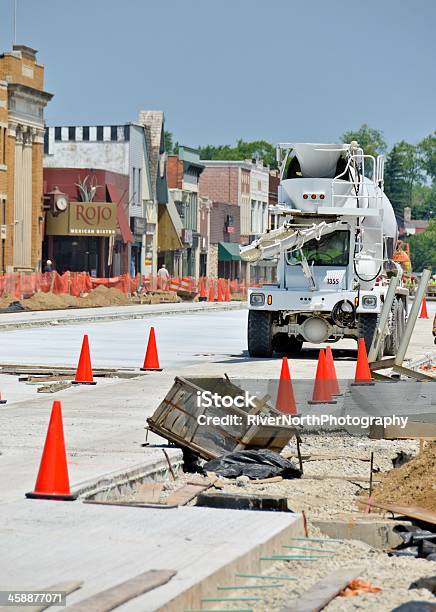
x: 125, y: 150
x: 88, y: 231
x: 22, y: 104
x: 245, y: 186
x: 183, y: 173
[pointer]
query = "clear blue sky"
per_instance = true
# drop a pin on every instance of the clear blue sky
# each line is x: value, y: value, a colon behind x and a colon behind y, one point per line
x: 302, y: 70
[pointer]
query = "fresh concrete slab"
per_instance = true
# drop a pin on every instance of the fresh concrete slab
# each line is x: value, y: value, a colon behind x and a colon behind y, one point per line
x: 50, y: 542
x: 15, y: 320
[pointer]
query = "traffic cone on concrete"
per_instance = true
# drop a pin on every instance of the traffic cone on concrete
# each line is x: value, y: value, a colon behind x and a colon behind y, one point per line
x: 424, y: 313
x: 2, y: 401
x: 202, y: 296
x: 84, y: 368
x: 285, y: 401
x: 151, y: 361
x: 52, y: 481
x: 331, y: 371
x: 219, y: 292
x: 363, y: 371
x: 211, y: 297
x: 227, y: 292
x: 321, y: 389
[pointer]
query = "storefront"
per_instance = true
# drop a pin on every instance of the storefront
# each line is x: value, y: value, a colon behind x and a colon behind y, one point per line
x: 80, y: 238
x: 229, y: 260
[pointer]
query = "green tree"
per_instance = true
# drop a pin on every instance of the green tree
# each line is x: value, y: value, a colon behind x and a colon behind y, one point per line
x: 403, y: 171
x: 169, y: 144
x: 371, y: 140
x: 422, y: 251
x: 427, y: 151
x: 259, y: 149
x: 424, y: 201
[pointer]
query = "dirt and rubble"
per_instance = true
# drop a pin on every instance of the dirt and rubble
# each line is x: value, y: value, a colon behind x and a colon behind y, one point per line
x: 412, y: 483
x: 99, y: 297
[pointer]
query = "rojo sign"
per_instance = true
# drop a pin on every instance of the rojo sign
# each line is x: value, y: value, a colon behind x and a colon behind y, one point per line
x: 84, y: 219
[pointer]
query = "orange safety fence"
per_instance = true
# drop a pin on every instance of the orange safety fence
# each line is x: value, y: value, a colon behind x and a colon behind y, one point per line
x: 23, y: 285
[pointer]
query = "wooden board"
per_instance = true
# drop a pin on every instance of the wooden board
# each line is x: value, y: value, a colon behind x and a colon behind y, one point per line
x: 149, y: 492
x: 416, y: 512
x: 67, y: 587
x: 121, y: 593
x: 413, y: 429
x: 185, y: 494
x: 322, y: 592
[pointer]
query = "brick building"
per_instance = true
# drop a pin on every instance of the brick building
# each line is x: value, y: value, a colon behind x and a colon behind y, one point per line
x: 22, y: 104
x: 243, y: 185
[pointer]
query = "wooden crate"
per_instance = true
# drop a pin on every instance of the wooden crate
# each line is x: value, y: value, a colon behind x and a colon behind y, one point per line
x: 176, y: 419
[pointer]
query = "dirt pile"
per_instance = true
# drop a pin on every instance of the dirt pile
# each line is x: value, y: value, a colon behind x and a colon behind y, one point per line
x: 49, y: 301
x: 102, y: 296
x: 414, y: 483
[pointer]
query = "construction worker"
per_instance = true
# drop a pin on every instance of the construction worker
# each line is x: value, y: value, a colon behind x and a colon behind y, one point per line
x: 163, y: 276
x: 434, y: 329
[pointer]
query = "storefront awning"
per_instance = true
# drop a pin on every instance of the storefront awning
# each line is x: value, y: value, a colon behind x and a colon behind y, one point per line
x: 228, y: 251
x: 122, y: 219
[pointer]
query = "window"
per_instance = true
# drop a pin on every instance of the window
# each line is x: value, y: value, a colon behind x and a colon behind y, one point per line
x: 71, y: 133
x: 331, y: 249
x: 58, y: 133
x: 139, y: 187
x: 99, y: 132
x: 126, y: 132
x: 85, y: 132
x: 46, y: 141
x: 114, y: 132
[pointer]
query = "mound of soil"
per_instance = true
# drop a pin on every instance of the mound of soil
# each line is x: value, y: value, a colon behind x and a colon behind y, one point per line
x: 102, y: 296
x: 414, y: 483
x: 49, y: 301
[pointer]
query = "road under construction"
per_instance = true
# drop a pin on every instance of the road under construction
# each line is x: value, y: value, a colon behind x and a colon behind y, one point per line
x: 110, y: 536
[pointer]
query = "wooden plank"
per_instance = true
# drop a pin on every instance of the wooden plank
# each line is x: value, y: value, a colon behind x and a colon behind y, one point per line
x: 125, y: 591
x: 149, y: 492
x: 67, y: 587
x: 416, y: 512
x: 413, y: 429
x: 185, y: 494
x: 322, y: 592
x: 340, y: 477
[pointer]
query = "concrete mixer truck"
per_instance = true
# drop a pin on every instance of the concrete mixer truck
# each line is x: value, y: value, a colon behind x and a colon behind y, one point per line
x: 333, y: 253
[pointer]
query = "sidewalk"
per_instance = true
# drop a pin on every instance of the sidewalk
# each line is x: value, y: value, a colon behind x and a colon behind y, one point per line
x: 14, y: 320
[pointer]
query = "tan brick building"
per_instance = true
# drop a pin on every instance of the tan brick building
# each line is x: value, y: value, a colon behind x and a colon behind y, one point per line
x: 22, y: 103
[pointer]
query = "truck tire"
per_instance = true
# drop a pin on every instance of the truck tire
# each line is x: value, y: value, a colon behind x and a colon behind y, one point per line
x: 260, y: 333
x: 367, y: 326
x: 289, y: 345
x: 397, y: 327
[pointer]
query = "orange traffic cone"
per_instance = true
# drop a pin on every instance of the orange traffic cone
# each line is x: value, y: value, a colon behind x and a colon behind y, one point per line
x: 331, y: 371
x: 285, y: 396
x: 52, y: 481
x: 219, y: 292
x: 84, y: 368
x: 424, y: 313
x: 321, y: 389
x: 202, y: 297
x: 363, y: 372
x: 2, y: 401
x: 211, y: 297
x: 227, y: 292
x: 151, y: 361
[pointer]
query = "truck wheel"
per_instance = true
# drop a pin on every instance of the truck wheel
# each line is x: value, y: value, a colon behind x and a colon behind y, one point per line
x: 397, y: 328
x: 289, y: 345
x: 367, y: 326
x: 260, y: 333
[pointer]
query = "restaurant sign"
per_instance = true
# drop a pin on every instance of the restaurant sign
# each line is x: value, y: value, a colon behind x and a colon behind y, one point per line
x: 84, y: 219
